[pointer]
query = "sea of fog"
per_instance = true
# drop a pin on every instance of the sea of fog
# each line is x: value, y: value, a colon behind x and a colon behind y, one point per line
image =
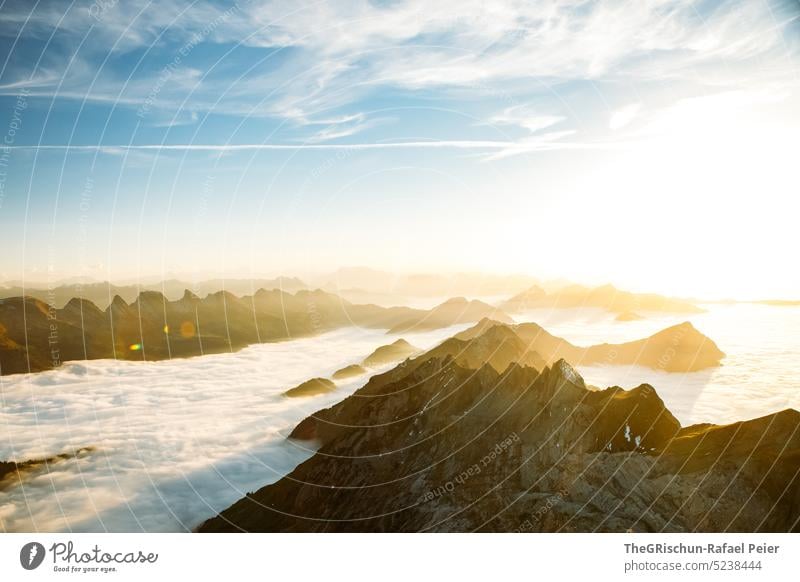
x: 759, y: 375
x: 175, y: 442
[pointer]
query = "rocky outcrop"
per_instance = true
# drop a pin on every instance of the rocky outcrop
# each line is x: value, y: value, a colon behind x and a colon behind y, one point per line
x: 350, y: 371
x: 442, y: 444
x: 13, y: 473
x: 394, y: 352
x: 312, y: 387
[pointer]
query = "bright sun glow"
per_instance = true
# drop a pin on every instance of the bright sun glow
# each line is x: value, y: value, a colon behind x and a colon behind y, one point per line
x: 701, y: 201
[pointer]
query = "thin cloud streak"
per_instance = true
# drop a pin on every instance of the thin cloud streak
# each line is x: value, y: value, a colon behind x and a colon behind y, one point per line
x: 454, y: 144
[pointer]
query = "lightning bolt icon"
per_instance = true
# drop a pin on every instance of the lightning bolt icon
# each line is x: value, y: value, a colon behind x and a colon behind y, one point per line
x: 32, y: 555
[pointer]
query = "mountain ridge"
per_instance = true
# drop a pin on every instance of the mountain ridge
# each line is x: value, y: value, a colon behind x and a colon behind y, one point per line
x: 37, y: 336
x: 605, y: 297
x: 449, y: 446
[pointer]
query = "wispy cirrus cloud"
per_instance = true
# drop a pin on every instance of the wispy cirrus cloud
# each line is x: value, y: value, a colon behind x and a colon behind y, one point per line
x: 319, y: 68
x: 430, y: 144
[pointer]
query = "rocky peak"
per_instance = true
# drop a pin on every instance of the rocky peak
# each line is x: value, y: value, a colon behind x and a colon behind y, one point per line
x: 81, y: 304
x: 433, y: 445
x: 189, y: 296
x: 117, y: 304
x: 150, y: 298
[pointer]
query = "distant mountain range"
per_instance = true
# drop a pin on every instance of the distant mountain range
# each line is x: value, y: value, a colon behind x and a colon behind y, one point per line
x: 36, y: 336
x: 365, y: 285
x: 606, y: 297
x: 679, y: 348
x: 481, y: 434
x: 102, y: 293
x: 367, y: 281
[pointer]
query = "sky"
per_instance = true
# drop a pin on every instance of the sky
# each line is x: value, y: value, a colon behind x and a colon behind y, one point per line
x: 647, y: 144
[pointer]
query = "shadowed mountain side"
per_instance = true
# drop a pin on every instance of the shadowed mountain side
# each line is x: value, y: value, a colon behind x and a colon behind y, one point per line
x: 606, y: 297
x: 680, y: 348
x: 438, y: 446
x: 35, y: 336
x: 499, y: 345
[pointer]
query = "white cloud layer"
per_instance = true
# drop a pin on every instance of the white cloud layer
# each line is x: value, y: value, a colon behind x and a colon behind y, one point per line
x: 757, y: 376
x: 175, y: 441
x: 178, y: 441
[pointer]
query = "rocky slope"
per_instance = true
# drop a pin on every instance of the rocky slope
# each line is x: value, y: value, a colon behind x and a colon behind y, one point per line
x: 450, y: 442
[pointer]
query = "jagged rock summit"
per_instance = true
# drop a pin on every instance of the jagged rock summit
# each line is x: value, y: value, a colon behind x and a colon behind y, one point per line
x: 448, y: 442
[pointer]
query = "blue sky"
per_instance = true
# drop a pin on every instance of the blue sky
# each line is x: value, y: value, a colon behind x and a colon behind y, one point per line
x: 603, y: 141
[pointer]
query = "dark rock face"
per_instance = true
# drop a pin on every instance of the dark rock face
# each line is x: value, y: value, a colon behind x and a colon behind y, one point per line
x: 311, y: 387
x: 442, y: 444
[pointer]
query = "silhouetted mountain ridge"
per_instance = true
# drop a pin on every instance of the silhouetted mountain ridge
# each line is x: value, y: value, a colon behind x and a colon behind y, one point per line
x: 36, y: 336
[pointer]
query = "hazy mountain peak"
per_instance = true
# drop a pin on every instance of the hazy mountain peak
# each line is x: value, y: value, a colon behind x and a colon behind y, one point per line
x: 454, y: 302
x: 118, y: 302
x: 151, y: 297
x: 189, y: 296
x: 79, y: 304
